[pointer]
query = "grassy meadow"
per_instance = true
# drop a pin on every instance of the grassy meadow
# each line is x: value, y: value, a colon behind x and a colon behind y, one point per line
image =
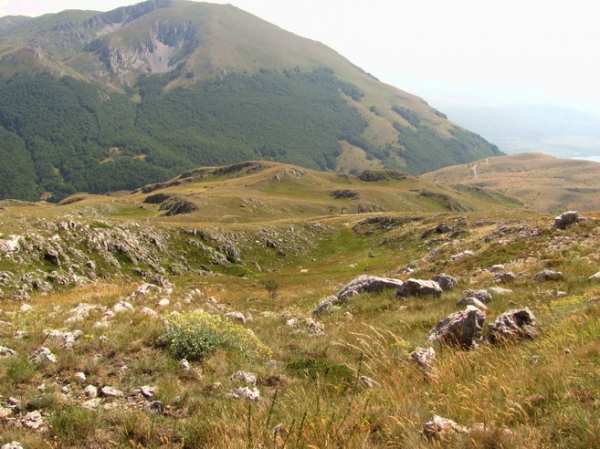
x: 541, y: 393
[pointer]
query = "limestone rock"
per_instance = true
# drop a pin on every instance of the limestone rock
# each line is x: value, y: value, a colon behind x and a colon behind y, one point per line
x: 245, y: 377
x: 369, y: 382
x: 594, y: 277
x: 236, y: 316
x: 548, y: 275
x: 244, y: 393
x: 367, y: 284
x: 111, y: 392
x: 418, y: 287
x: 472, y: 302
x: 33, y: 421
x: 442, y: 428
x: 514, y: 325
x: 12, y: 445
x: 423, y: 357
x: 67, y: 338
x: 505, y: 276
x: 483, y: 295
x: 148, y: 311
x: 6, y: 352
x: 122, y: 306
x: 43, y: 355
x: 460, y: 328
x: 566, y: 219
x: 462, y: 255
x: 446, y: 281
x: 147, y: 391
x: 185, y: 365
x: 90, y: 391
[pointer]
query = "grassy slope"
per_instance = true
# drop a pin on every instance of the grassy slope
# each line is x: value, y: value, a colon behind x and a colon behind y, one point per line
x: 541, y: 182
x: 549, y: 404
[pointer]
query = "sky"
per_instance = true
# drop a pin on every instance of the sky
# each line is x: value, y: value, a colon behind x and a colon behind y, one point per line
x: 450, y: 52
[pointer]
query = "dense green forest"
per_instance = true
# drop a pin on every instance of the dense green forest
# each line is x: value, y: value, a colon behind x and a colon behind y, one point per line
x: 63, y: 135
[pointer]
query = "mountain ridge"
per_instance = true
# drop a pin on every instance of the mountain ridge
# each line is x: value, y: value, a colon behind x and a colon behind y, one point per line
x: 107, y: 101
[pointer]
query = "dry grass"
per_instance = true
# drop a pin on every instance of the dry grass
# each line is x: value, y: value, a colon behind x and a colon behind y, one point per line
x: 541, y: 182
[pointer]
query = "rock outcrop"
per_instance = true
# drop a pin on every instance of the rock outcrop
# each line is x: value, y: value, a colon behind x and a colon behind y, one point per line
x: 460, y: 328
x: 513, y: 326
x: 418, y: 287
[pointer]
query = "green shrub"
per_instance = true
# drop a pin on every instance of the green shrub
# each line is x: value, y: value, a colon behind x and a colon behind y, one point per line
x: 198, y: 334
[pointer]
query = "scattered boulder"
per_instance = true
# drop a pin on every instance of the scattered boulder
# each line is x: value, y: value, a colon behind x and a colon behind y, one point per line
x: 344, y: 194
x: 52, y: 256
x: 33, y: 421
x: 164, y: 302
x: 150, y: 312
x: 548, y: 275
x: 147, y: 391
x: 369, y: 382
x: 446, y: 281
x: 91, y: 391
x: 423, y: 357
x: 418, y: 287
x: 368, y: 284
x: 177, y: 206
x: 81, y: 312
x: 462, y: 255
x: 442, y: 428
x: 43, y: 355
x: 244, y: 393
x: 514, y: 325
x: 359, y: 285
x: 460, y: 328
x: 472, y: 302
x: 566, y: 219
x: 122, y: 306
x: 185, y: 365
x: 111, y: 392
x: 236, y: 316
x: 503, y: 277
x: 245, y: 377
x: 594, y: 277
x: 6, y: 352
x: 68, y: 338
x: 483, y: 295
x: 12, y: 445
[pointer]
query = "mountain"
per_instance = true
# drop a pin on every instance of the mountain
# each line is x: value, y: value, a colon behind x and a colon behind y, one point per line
x: 539, y: 181
x: 102, y: 102
x: 555, y: 130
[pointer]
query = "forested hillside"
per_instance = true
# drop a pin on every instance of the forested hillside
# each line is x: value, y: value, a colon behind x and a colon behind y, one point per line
x: 114, y: 114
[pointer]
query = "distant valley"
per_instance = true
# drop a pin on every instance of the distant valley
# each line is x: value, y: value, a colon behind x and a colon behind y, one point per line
x: 554, y: 130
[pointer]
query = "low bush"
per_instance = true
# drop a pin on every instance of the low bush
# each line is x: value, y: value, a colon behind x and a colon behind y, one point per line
x: 198, y: 334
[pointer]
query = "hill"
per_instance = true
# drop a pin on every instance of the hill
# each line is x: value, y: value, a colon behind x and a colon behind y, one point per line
x: 539, y: 181
x: 102, y: 102
x: 261, y: 307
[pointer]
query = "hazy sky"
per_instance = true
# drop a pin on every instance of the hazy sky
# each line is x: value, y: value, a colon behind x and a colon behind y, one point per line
x: 447, y: 51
